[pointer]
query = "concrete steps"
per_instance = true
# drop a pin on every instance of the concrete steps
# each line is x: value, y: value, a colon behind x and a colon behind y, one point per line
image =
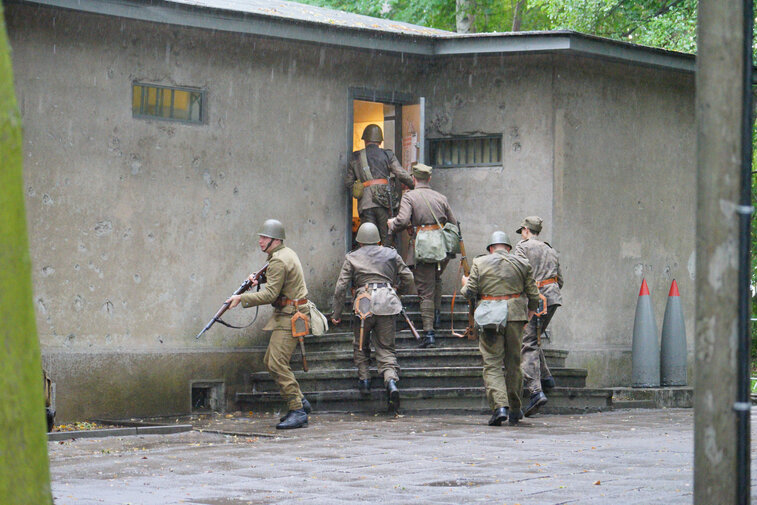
x: 444, y: 378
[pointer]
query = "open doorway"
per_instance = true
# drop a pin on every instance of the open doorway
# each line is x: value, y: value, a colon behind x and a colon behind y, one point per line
x: 401, y: 121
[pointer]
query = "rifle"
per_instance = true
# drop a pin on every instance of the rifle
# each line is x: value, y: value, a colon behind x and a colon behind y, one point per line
x: 246, y: 285
x: 389, y: 234
x: 471, y: 332
x: 410, y: 324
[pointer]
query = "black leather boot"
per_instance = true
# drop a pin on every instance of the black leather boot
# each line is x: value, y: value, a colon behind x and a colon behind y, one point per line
x: 536, y: 401
x: 428, y: 340
x: 305, y: 406
x: 437, y: 318
x: 514, y: 417
x: 548, y: 382
x: 393, y: 395
x: 294, y: 419
x: 364, y: 386
x: 498, y: 417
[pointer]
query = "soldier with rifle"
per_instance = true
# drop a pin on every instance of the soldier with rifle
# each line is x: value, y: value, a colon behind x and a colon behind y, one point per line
x: 545, y: 264
x: 285, y: 289
x: 368, y: 176
x: 374, y: 271
x: 425, y: 210
x: 507, y: 294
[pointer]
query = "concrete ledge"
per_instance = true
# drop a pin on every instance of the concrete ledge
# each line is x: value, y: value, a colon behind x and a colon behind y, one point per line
x: 119, y: 432
x: 662, y: 397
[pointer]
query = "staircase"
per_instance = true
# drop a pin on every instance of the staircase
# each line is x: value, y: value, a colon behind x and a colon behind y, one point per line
x: 445, y: 378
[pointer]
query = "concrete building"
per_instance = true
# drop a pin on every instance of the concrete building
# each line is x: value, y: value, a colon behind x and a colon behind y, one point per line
x: 160, y: 134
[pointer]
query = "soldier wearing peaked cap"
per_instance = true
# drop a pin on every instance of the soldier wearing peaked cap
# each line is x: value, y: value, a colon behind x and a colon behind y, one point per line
x: 545, y: 265
x: 286, y: 291
x: 368, y: 177
x: 425, y: 209
x: 374, y: 271
x: 507, y: 294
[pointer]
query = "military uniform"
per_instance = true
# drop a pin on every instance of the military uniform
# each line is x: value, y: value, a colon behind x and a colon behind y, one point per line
x: 375, y: 269
x: 285, y: 289
x: 382, y: 164
x: 499, y: 275
x: 545, y: 265
x: 414, y: 212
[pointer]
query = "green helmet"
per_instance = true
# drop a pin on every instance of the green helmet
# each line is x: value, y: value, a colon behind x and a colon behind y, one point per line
x: 272, y: 228
x: 372, y: 133
x: 367, y: 234
x: 499, y: 237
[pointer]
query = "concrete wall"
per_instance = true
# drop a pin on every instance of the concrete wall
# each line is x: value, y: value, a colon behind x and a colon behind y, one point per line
x: 625, y: 204
x: 140, y: 228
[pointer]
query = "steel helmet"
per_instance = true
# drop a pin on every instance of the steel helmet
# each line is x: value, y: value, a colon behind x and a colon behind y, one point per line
x: 499, y: 237
x: 367, y: 234
x: 372, y: 133
x: 272, y: 228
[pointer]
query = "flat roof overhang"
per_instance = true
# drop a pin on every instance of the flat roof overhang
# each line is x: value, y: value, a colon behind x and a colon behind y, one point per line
x: 431, y: 46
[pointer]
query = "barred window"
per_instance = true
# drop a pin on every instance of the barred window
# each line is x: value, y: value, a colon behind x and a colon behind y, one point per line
x: 451, y: 152
x: 168, y: 103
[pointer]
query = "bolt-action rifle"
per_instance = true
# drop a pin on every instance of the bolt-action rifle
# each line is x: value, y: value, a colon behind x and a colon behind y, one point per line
x: 471, y: 331
x: 246, y: 285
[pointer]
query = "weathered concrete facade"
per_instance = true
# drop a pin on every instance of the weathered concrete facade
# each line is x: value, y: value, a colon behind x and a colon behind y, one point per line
x: 141, y: 228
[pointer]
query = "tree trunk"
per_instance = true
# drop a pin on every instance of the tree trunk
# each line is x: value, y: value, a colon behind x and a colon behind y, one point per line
x: 24, y: 470
x: 464, y: 16
x: 518, y: 14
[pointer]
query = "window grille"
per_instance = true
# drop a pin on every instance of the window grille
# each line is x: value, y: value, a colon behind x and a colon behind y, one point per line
x: 451, y: 152
x: 150, y: 101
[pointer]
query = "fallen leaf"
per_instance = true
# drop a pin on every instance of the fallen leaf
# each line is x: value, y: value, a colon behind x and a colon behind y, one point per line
x: 597, y: 483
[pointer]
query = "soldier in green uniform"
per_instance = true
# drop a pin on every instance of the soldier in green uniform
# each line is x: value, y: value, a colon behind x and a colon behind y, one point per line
x: 425, y: 209
x: 508, y: 298
x: 545, y: 265
x: 371, y: 168
x: 284, y: 289
x: 374, y: 270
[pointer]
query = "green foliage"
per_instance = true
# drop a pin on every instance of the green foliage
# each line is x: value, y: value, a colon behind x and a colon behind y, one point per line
x: 24, y: 474
x: 669, y: 24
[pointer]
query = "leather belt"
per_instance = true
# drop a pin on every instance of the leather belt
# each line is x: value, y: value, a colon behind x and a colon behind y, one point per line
x: 551, y: 280
x: 283, y: 300
x: 373, y: 182
x: 429, y: 227
x: 503, y: 297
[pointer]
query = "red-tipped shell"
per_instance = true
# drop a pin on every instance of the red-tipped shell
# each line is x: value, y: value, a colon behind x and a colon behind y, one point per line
x: 674, y: 289
x: 644, y: 289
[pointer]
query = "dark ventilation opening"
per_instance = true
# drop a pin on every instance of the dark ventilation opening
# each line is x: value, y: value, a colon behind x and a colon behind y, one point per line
x: 207, y: 396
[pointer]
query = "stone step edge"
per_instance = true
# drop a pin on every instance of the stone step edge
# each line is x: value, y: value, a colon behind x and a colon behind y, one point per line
x: 339, y: 373
x: 416, y: 393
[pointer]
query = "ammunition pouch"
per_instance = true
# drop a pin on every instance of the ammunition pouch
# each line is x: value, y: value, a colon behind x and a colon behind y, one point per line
x: 357, y: 189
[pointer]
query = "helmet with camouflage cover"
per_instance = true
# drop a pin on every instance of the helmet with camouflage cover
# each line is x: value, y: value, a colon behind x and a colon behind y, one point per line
x: 372, y: 133
x: 499, y: 237
x: 272, y: 228
x: 367, y: 234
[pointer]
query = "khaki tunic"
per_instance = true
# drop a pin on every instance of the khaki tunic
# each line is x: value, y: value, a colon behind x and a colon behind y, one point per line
x: 414, y: 211
x: 494, y: 275
x: 283, y: 277
x: 545, y: 264
x: 382, y: 163
x: 374, y: 264
x: 428, y: 276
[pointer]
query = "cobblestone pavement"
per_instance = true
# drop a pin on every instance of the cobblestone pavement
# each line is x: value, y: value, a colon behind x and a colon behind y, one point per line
x: 623, y: 457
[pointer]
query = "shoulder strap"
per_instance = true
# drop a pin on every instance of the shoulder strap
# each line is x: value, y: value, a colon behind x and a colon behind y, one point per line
x: 429, y: 208
x: 365, y: 167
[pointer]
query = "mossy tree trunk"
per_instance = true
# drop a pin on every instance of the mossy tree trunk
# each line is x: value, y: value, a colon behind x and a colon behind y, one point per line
x: 24, y: 469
